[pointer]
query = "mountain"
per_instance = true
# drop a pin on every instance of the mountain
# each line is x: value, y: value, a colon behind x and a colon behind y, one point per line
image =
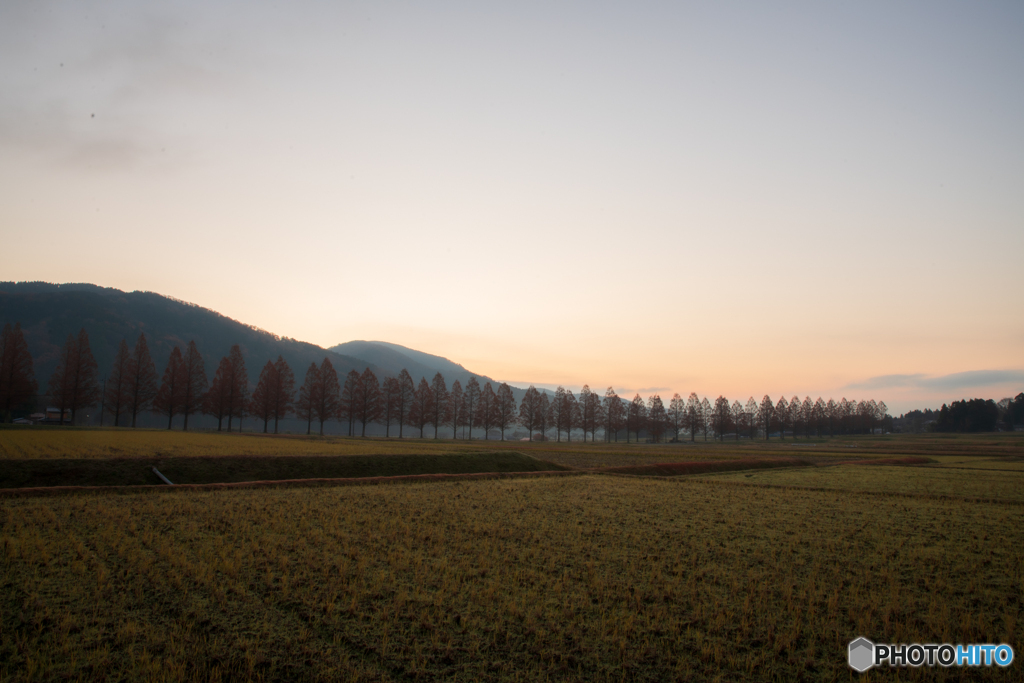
x: 392, y: 358
x: 48, y: 313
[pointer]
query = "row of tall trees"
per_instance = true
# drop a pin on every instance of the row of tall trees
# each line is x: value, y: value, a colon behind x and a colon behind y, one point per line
x: 564, y: 413
x: 397, y: 402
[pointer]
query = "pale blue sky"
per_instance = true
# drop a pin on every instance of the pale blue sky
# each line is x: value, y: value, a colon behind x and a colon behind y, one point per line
x: 731, y: 198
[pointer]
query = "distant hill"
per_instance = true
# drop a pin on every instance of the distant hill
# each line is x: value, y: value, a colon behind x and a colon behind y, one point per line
x: 48, y: 313
x: 392, y: 358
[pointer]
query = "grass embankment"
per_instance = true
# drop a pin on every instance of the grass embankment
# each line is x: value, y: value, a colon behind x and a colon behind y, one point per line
x: 225, y: 469
x: 31, y: 443
x: 580, y: 578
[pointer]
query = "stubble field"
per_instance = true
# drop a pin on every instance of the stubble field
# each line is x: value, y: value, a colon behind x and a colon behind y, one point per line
x: 580, y: 577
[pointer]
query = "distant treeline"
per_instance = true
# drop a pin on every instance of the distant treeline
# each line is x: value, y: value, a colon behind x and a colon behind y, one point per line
x: 398, y: 403
x: 974, y: 415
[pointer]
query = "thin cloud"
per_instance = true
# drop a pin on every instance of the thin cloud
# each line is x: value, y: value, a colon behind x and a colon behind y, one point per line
x: 109, y: 98
x: 954, y: 381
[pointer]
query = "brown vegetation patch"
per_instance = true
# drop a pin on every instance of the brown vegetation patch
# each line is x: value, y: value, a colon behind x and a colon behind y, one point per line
x: 675, y: 469
x: 910, y: 460
x: 277, y: 483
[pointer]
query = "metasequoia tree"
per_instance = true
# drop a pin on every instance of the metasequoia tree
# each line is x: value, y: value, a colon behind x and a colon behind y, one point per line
x: 636, y: 414
x: 404, y: 399
x: 557, y: 414
x: 846, y: 410
x: 472, y: 397
x: 867, y: 411
x: 328, y: 396
x: 529, y: 409
x: 587, y: 412
x: 17, y: 378
x: 142, y: 386
x: 795, y: 417
x: 368, y: 403
x: 59, y: 391
x: 819, y: 416
x: 831, y: 415
x: 807, y: 416
x: 284, y: 390
x: 782, y: 416
x: 73, y: 385
x: 237, y: 386
x: 881, y: 411
x: 348, y: 400
x: 543, y: 411
x: 614, y: 414
x: 305, y: 405
x: 422, y: 408
x: 388, y: 399
x: 765, y: 415
x: 486, y: 408
x: 573, y: 416
x: 597, y: 410
x: 657, y: 418
x: 505, y: 409
x: 169, y: 398
x: 262, y: 402
x: 705, y: 420
x: 456, y: 410
x: 720, y: 416
x: 676, y: 415
x: 739, y: 419
x: 691, y: 415
x: 439, y: 405
x: 216, y: 403
x: 750, y: 411
x: 193, y: 382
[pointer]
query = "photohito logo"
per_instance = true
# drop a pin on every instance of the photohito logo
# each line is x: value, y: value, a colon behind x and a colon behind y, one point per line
x: 862, y: 654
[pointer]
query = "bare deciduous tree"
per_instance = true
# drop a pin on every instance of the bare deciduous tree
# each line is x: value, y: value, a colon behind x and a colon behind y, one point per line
x: 169, y: 398
x: 309, y: 396
x: 439, y: 392
x: 17, y: 377
x: 505, y: 409
x: 116, y: 391
x: 657, y: 418
x: 193, y: 382
x: 329, y: 394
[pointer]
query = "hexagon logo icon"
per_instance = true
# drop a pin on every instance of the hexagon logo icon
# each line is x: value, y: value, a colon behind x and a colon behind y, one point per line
x: 861, y: 654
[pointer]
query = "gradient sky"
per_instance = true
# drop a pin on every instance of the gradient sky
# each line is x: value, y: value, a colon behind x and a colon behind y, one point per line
x: 738, y: 198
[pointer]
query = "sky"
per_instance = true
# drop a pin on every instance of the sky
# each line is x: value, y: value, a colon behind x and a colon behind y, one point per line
x: 739, y: 198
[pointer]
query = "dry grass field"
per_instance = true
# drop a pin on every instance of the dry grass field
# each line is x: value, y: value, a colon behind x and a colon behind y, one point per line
x: 980, y: 484
x: 589, y: 577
